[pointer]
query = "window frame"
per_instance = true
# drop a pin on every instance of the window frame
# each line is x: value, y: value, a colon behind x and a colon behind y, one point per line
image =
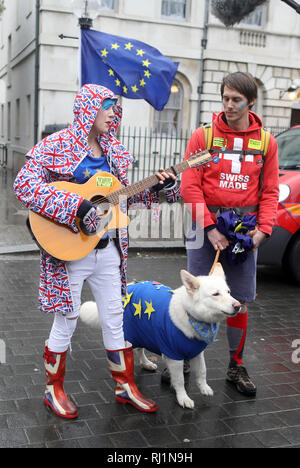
x: 113, y: 10
x: 158, y: 123
x: 173, y: 17
x: 246, y: 25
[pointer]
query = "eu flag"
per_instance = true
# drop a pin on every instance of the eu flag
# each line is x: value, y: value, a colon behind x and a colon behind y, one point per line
x: 128, y: 67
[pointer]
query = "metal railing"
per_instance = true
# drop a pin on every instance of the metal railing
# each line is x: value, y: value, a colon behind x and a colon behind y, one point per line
x: 3, y: 155
x: 153, y: 151
x: 150, y: 149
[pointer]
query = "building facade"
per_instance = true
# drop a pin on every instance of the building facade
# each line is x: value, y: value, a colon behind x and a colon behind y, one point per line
x: 39, y: 70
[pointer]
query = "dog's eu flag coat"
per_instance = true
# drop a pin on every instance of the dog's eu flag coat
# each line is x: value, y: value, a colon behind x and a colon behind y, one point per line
x: 147, y: 323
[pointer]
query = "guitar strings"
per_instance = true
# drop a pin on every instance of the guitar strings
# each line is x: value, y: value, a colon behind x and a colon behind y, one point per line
x: 137, y: 187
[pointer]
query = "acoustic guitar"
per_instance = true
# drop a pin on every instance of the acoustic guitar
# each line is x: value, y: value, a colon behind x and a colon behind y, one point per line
x: 107, y: 194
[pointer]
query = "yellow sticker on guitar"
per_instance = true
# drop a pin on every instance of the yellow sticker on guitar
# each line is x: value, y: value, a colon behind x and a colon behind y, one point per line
x: 254, y: 144
x: 104, y: 181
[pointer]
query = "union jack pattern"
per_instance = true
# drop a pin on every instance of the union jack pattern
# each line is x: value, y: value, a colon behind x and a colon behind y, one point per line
x: 91, y: 220
x: 55, y: 158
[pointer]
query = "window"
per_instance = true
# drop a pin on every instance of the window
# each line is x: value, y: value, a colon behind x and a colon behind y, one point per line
x: 257, y: 18
x: 8, y: 121
x: 108, y: 5
x: 176, y: 9
x: 9, y: 61
x: 17, y: 119
x: 28, y: 111
x: 2, y: 120
x: 168, y: 120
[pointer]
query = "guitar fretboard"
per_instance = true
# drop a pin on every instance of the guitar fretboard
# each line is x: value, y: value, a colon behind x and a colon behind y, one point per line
x: 142, y: 185
x: 121, y: 195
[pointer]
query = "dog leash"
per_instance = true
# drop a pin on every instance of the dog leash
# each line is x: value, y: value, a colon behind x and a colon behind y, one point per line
x: 215, y: 261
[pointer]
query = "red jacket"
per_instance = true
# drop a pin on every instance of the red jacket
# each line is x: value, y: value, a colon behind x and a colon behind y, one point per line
x: 232, y: 182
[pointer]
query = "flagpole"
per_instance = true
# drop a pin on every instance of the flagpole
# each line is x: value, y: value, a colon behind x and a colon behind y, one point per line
x: 203, y: 47
x: 79, y: 61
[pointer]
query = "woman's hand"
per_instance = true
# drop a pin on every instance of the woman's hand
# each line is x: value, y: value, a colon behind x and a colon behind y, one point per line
x: 162, y: 175
x: 166, y: 180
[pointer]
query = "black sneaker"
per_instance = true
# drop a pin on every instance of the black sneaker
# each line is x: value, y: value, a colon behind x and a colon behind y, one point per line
x: 238, y: 375
x: 165, y: 376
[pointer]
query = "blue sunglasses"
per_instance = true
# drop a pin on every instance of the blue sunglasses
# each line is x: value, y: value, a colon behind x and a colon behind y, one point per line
x: 107, y: 103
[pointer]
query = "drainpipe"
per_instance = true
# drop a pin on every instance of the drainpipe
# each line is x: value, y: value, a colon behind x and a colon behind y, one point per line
x: 203, y: 47
x: 37, y: 70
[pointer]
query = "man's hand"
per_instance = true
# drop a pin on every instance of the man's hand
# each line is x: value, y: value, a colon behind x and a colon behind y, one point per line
x: 218, y: 240
x: 257, y: 238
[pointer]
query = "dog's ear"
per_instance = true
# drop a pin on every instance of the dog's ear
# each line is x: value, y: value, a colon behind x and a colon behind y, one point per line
x: 218, y: 270
x: 190, y: 282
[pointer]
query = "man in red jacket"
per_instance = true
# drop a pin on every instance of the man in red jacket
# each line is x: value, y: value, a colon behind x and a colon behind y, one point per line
x: 244, y: 179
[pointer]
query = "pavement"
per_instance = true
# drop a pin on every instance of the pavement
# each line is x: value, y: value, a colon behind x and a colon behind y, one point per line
x: 226, y: 420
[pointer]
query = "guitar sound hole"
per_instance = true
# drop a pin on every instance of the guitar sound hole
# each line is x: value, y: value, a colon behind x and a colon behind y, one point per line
x: 102, y: 204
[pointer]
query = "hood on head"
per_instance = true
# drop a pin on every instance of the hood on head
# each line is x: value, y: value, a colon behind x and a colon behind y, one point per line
x: 87, y: 104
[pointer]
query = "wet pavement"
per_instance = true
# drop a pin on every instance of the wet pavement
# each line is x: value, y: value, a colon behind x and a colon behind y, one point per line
x: 228, y: 419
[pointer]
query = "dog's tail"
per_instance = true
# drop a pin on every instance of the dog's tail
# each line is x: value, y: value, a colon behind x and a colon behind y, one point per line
x: 89, y: 314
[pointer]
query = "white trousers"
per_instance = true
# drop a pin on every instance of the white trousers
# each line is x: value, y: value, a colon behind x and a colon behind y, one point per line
x: 101, y: 270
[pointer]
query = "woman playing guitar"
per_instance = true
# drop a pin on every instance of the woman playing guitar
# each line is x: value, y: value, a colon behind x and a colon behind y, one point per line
x: 74, y: 155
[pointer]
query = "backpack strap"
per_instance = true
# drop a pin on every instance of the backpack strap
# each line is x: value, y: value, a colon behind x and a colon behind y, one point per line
x: 265, y: 140
x: 208, y: 135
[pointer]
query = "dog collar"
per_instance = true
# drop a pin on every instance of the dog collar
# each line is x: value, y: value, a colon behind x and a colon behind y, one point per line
x: 206, y: 331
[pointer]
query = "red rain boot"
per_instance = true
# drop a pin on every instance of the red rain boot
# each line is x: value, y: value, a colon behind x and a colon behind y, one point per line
x: 55, y: 397
x: 121, y: 365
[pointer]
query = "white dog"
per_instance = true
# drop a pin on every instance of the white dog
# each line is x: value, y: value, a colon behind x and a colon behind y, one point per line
x: 178, y: 324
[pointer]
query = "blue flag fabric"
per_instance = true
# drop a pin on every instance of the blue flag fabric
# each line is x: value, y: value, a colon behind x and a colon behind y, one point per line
x: 236, y: 229
x: 128, y: 67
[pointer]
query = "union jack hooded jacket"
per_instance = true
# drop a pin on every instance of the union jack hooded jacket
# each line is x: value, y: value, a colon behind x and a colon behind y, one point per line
x: 56, y: 158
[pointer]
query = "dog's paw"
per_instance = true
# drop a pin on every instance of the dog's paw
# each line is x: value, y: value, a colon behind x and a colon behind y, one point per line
x: 150, y: 366
x: 185, y: 401
x: 206, y: 390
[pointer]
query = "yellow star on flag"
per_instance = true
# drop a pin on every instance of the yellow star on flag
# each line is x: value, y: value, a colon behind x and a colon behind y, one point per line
x: 146, y: 63
x: 104, y: 53
x: 142, y: 82
x: 126, y: 300
x: 140, y: 52
x: 128, y: 46
x: 111, y: 72
x: 115, y: 46
x: 147, y: 74
x: 138, y: 309
x: 134, y: 88
x: 125, y: 89
x: 149, y: 309
x: 118, y: 82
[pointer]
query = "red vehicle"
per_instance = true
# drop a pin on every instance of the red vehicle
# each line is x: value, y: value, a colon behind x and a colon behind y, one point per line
x: 283, y: 247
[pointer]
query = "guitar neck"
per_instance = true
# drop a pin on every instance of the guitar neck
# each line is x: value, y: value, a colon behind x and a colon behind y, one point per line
x: 148, y: 182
